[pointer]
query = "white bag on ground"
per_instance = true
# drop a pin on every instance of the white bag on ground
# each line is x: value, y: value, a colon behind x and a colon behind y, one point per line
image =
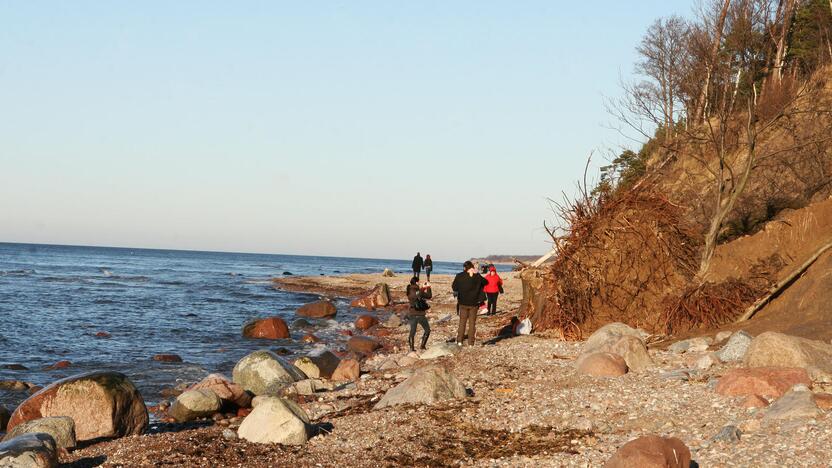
x: 525, y: 327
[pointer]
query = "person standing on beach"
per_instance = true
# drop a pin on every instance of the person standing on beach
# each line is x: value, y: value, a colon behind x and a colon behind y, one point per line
x: 417, y: 265
x: 469, y: 288
x: 417, y: 315
x: 428, y: 266
x: 493, y: 289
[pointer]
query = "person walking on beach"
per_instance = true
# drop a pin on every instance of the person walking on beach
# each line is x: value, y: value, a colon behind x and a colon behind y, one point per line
x: 469, y: 288
x: 428, y: 266
x: 417, y: 315
x: 417, y: 265
x: 493, y: 289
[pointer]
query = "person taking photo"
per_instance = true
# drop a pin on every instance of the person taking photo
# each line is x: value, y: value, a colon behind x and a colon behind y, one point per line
x: 468, y: 285
x: 417, y: 314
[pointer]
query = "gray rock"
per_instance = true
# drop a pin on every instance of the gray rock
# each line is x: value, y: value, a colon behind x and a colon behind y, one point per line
x: 61, y: 428
x: 608, y: 335
x: 393, y: 322
x: 229, y: 434
x: 440, y: 350
x: 444, y: 318
x: 798, y: 404
x: 735, y: 349
x: 697, y: 344
x: 427, y: 386
x: 730, y: 434
x: 29, y: 451
x: 275, y: 420
x: 777, y: 349
x: 265, y: 373
x: 308, y: 387
x: 195, y: 404
x: 634, y: 352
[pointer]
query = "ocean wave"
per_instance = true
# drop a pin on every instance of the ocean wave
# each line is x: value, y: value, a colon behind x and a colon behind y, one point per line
x: 22, y: 272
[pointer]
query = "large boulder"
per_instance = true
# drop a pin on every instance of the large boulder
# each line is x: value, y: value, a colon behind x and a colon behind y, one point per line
x: 29, y: 451
x: 601, y: 364
x: 379, y: 296
x: 276, y: 421
x: 365, y: 322
x: 651, y: 452
x: 777, y: 349
x: 608, y: 335
x: 102, y: 404
x: 427, y: 386
x: 319, y: 309
x: 227, y: 390
x: 736, y: 347
x: 634, y: 352
x: 61, y: 428
x: 763, y: 381
x: 265, y: 373
x: 363, y: 344
x: 193, y: 404
x: 318, y: 365
x: 271, y: 328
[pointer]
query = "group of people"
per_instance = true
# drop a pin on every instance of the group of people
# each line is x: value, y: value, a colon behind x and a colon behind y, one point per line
x: 472, y: 290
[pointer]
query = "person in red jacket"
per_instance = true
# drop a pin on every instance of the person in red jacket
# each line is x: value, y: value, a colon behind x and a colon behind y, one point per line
x: 493, y: 289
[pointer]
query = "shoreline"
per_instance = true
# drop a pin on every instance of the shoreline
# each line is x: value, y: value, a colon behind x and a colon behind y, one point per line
x: 527, y: 406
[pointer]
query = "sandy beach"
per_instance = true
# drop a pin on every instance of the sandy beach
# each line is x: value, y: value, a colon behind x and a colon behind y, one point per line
x: 527, y: 406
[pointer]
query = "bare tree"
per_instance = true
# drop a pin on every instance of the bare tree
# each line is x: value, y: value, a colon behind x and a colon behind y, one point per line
x: 701, y: 108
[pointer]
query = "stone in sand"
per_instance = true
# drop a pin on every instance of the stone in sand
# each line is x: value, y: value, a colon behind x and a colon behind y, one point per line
x: 651, y: 452
x: 194, y: 404
x: 736, y: 347
x: 824, y: 401
x: 691, y: 345
x: 365, y: 322
x: 276, y: 420
x: 634, y: 352
x: 102, y: 404
x: 764, y: 381
x: 270, y: 328
x: 754, y: 401
x: 224, y: 388
x: 265, y: 373
x: 777, y: 349
x: 427, y: 386
x: 363, y: 344
x: 601, y: 364
x: 608, y: 335
x: 394, y: 321
x: 61, y: 428
x: 796, y: 404
x: 388, y: 273
x: 319, y: 309
x: 29, y: 451
x: 379, y: 296
x: 347, y: 370
x: 440, y: 350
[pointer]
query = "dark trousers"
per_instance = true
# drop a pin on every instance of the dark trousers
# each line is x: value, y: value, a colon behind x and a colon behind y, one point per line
x: 467, y: 317
x: 492, y: 302
x: 418, y: 320
x: 427, y: 272
x: 416, y: 274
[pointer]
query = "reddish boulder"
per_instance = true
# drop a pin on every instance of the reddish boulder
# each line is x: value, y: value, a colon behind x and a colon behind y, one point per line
x: 310, y: 338
x: 102, y: 404
x: 602, y: 364
x: 363, y: 344
x: 224, y: 388
x: 764, y: 381
x: 102, y: 334
x: 378, y: 297
x: 271, y: 328
x: 824, y: 401
x: 320, y: 309
x: 348, y: 369
x: 651, y: 452
x: 167, y: 358
x: 61, y: 365
x: 365, y: 322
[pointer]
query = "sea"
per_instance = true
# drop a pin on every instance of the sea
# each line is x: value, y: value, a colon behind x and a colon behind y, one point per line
x: 55, y: 299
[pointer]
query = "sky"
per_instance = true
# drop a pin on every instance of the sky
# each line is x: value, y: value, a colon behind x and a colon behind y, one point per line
x: 345, y: 128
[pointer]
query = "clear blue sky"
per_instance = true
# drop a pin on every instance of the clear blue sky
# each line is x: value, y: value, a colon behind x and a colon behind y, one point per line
x: 338, y: 128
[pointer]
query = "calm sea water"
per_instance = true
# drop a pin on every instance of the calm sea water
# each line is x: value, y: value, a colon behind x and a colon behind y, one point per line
x: 54, y: 299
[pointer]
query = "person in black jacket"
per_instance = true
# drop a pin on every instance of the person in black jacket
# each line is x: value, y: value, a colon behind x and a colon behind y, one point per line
x: 428, y: 266
x: 418, y: 315
x: 468, y: 286
x: 418, y: 263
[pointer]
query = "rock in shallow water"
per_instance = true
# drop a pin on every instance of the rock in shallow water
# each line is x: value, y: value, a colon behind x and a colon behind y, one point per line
x: 319, y: 309
x: 29, y: 451
x: 270, y: 328
x: 102, y: 404
x: 61, y: 428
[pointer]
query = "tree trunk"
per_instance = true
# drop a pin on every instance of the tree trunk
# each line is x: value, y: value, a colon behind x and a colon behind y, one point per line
x: 703, y: 95
x: 782, y: 43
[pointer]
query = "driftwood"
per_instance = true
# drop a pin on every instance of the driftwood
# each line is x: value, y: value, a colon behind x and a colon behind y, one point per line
x: 782, y: 284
